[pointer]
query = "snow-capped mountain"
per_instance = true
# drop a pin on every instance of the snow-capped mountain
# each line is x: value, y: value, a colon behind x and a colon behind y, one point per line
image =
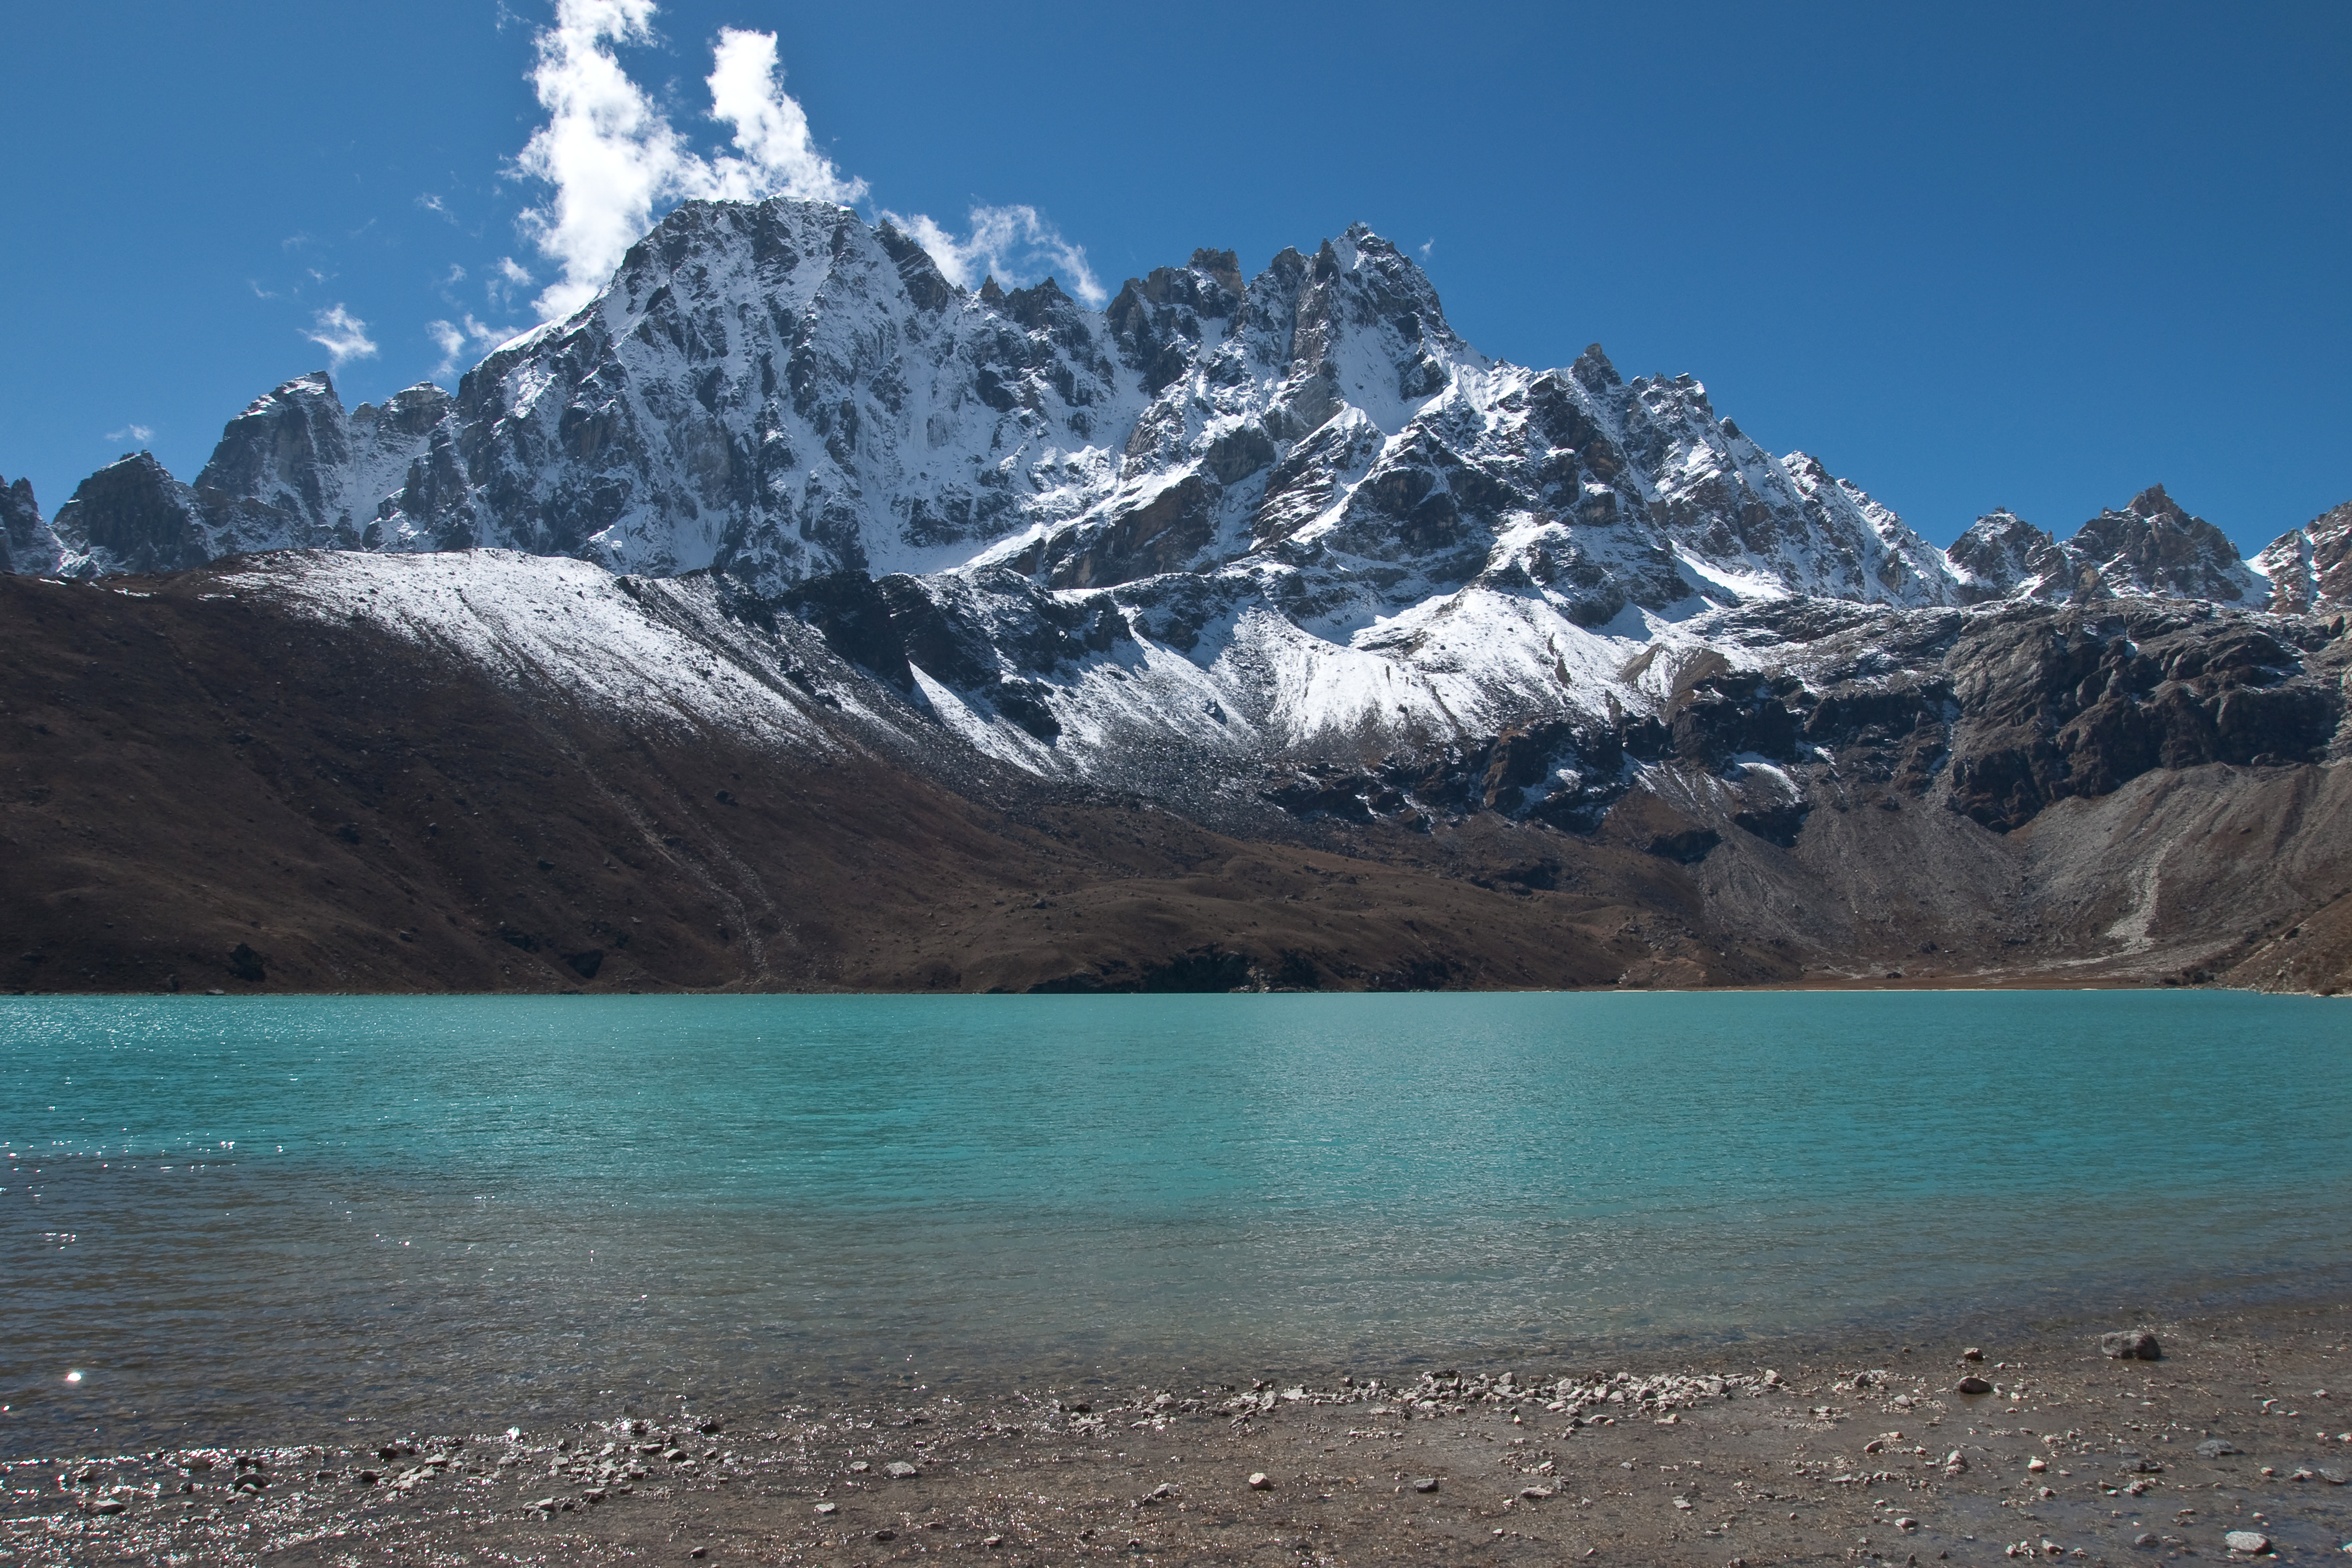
x: 780, y: 391
x: 1007, y: 584
x: 783, y: 393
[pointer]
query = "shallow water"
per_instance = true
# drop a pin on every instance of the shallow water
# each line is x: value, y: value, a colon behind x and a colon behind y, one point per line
x: 243, y: 1214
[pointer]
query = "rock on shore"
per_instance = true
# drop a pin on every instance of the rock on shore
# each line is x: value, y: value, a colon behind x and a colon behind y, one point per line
x: 1852, y: 1453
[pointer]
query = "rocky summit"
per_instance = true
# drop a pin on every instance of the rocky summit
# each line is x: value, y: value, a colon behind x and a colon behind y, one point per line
x: 1251, y: 631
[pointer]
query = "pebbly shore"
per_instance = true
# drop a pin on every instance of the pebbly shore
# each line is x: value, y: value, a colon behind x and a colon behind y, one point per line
x: 2223, y: 1438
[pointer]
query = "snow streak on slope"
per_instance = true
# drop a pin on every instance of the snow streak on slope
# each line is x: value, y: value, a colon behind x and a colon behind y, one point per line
x: 2311, y: 568
x: 568, y: 630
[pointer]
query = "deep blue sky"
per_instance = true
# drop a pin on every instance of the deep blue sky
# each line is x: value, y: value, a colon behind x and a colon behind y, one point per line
x: 2031, y: 255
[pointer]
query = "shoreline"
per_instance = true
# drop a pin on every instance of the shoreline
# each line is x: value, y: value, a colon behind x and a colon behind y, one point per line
x: 2030, y: 981
x: 1799, y: 1449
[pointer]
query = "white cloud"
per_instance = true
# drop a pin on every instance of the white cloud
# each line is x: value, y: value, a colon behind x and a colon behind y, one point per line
x: 142, y: 434
x: 1426, y: 247
x: 770, y: 130
x: 342, y: 335
x: 1012, y: 243
x: 612, y: 155
x: 452, y: 338
x: 606, y: 150
x: 612, y: 158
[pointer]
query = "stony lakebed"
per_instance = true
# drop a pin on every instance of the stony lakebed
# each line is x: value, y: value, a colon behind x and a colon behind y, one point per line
x: 2234, y: 1445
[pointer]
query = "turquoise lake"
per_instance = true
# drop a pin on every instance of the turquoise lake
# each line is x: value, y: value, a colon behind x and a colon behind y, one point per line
x: 239, y: 1216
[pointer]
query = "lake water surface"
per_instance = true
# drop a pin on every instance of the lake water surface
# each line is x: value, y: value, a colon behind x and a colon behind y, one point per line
x: 245, y: 1214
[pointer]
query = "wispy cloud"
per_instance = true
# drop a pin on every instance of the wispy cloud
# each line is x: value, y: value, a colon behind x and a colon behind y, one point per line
x: 511, y: 279
x: 613, y: 157
x: 341, y: 334
x: 451, y: 339
x: 1426, y: 247
x: 142, y: 434
x: 1011, y: 242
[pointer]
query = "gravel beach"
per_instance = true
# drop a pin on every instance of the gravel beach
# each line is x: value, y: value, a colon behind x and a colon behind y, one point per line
x: 2236, y: 1443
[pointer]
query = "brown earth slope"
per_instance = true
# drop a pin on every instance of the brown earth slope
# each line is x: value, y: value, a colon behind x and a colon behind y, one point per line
x: 186, y: 778
x: 202, y: 788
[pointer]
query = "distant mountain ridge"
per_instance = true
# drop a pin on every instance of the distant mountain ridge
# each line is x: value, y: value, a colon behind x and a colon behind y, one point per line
x: 780, y: 392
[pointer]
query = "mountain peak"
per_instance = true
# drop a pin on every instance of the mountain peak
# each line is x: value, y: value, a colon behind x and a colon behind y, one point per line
x: 28, y: 545
x: 2149, y: 548
x: 1593, y: 370
x: 1224, y: 266
x: 132, y: 516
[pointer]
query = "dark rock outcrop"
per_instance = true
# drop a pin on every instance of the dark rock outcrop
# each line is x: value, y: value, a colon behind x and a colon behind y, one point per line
x: 2083, y: 701
x: 132, y: 516
x: 27, y: 543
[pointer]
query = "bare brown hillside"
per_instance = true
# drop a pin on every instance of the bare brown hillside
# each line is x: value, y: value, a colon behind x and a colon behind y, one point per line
x: 201, y: 788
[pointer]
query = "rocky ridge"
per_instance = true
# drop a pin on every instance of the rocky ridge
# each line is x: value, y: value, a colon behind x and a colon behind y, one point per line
x: 490, y: 771
x: 2149, y: 549
x: 779, y: 390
